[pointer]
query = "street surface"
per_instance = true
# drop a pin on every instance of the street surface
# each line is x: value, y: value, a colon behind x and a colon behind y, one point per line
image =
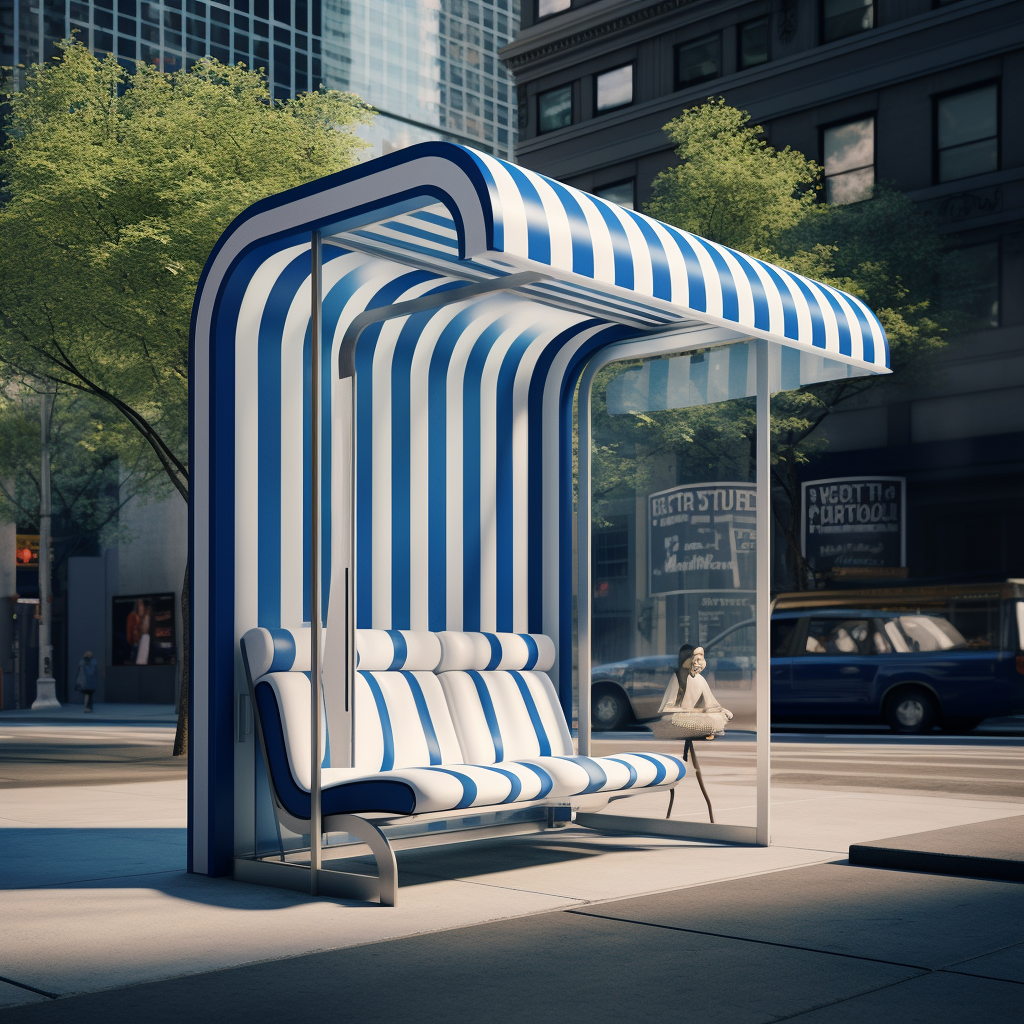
x: 991, y: 766
x: 73, y: 754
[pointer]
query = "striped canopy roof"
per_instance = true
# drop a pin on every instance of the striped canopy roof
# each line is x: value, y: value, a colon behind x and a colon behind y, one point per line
x: 463, y: 412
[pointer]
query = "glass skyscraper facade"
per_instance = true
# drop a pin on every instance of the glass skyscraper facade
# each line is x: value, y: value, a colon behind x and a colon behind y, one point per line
x: 429, y: 66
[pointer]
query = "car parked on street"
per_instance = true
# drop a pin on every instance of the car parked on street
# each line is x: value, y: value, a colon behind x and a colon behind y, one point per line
x: 913, y: 658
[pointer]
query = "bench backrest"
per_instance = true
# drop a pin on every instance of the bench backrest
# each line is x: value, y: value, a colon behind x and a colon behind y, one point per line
x: 400, y: 709
x: 489, y: 700
x: 501, y: 699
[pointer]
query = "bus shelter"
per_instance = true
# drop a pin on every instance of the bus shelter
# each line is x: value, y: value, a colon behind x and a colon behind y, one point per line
x: 399, y: 375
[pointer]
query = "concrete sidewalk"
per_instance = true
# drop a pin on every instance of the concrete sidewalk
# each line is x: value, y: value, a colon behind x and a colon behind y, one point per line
x: 102, y: 922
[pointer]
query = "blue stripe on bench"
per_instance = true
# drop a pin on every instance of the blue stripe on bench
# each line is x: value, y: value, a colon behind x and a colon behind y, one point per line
x: 401, y: 649
x: 531, y: 707
x: 388, y: 760
x: 546, y: 782
x: 594, y: 771
x: 468, y: 786
x: 632, y: 771
x: 517, y: 785
x: 488, y: 708
x: 425, y: 721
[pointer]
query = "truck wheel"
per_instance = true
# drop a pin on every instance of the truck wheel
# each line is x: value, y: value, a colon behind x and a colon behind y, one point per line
x: 609, y: 709
x: 911, y: 711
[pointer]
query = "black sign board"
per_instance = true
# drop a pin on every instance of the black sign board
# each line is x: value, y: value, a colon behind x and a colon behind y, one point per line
x: 702, y: 537
x: 854, y: 523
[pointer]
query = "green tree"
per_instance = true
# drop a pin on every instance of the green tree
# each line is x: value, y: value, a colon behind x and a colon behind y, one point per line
x: 734, y: 188
x: 117, y: 186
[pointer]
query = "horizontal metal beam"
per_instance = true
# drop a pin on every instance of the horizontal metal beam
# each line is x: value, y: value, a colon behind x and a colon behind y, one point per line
x: 347, y: 352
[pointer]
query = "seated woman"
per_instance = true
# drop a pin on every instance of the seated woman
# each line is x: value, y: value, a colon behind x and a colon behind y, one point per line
x: 691, y: 687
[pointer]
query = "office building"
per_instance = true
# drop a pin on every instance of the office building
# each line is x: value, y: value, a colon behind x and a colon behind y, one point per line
x: 429, y: 66
x: 917, y: 93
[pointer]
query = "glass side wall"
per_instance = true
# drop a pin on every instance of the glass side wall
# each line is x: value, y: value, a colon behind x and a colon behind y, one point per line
x: 673, y: 563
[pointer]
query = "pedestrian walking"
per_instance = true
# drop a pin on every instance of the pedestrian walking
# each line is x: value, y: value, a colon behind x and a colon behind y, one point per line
x: 85, y: 682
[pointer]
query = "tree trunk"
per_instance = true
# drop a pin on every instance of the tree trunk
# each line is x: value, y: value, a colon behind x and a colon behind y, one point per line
x: 181, y: 735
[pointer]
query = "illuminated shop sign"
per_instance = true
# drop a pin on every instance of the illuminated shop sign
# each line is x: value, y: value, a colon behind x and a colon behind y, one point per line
x: 855, y: 525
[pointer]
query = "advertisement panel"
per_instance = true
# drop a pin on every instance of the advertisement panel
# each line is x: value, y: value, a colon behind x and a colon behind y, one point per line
x: 143, y: 630
x: 26, y: 551
x: 702, y: 537
x: 855, y: 523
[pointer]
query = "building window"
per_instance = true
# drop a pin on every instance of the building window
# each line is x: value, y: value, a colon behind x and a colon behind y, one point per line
x: 752, y: 43
x: 842, y: 18
x: 849, y: 151
x: 621, y: 192
x: 545, y: 8
x: 699, y: 61
x: 554, y: 109
x: 613, y: 89
x: 978, y: 276
x: 967, y: 133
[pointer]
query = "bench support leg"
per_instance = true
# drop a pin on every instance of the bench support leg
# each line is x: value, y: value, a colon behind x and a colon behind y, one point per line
x: 690, y: 754
x: 387, y: 866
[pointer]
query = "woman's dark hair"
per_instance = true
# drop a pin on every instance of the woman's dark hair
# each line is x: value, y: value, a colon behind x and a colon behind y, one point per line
x: 685, y: 651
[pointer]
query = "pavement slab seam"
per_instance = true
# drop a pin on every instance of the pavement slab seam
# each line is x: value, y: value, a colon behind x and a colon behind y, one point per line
x: 29, y: 988
x: 979, y: 956
x: 971, y: 974
x: 745, y: 938
x: 847, y: 999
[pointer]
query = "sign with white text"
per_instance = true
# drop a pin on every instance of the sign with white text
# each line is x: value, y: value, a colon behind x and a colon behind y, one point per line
x: 702, y: 537
x: 855, y: 523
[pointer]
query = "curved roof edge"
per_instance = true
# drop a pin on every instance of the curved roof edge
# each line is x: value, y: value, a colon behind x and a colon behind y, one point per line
x: 496, y: 218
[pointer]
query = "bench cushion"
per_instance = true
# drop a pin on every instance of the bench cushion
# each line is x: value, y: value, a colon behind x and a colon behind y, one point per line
x: 402, y: 721
x: 491, y: 651
x: 503, y: 716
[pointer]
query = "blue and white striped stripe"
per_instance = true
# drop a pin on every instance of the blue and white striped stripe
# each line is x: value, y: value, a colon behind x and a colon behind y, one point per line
x: 463, y: 413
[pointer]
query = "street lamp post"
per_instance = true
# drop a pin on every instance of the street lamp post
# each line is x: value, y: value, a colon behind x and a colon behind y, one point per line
x: 46, y: 685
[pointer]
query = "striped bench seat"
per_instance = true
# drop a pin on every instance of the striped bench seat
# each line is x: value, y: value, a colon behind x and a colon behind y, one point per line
x: 444, y: 722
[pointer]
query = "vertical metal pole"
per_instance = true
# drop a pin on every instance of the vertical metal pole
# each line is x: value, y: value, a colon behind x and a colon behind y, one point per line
x: 763, y: 605
x: 583, y: 563
x: 316, y: 753
x: 46, y: 686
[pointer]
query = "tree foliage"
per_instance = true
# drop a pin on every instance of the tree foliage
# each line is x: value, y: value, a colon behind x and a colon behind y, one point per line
x: 734, y: 188
x: 730, y: 185
x: 117, y: 186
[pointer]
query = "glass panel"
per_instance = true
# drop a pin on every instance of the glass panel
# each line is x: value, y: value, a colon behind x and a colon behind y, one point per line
x: 851, y: 187
x: 849, y: 146
x: 845, y: 18
x: 622, y: 193
x: 555, y: 109
x: 978, y: 272
x: 615, y: 88
x: 967, y: 117
x: 546, y: 7
x: 964, y: 161
x: 698, y: 61
x: 753, y: 43
x: 673, y: 564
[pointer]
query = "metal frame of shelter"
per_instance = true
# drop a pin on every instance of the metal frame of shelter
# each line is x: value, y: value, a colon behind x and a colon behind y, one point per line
x: 384, y: 364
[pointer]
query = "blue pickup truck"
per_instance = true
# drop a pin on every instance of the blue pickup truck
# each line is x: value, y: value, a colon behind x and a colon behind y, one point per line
x: 913, y: 658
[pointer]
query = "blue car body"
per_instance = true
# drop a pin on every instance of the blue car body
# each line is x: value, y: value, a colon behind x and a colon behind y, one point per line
x: 955, y: 654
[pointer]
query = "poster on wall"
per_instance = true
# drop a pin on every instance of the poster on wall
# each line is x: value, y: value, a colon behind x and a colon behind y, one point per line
x: 702, y: 537
x: 143, y: 630
x: 855, y: 524
x: 26, y: 550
